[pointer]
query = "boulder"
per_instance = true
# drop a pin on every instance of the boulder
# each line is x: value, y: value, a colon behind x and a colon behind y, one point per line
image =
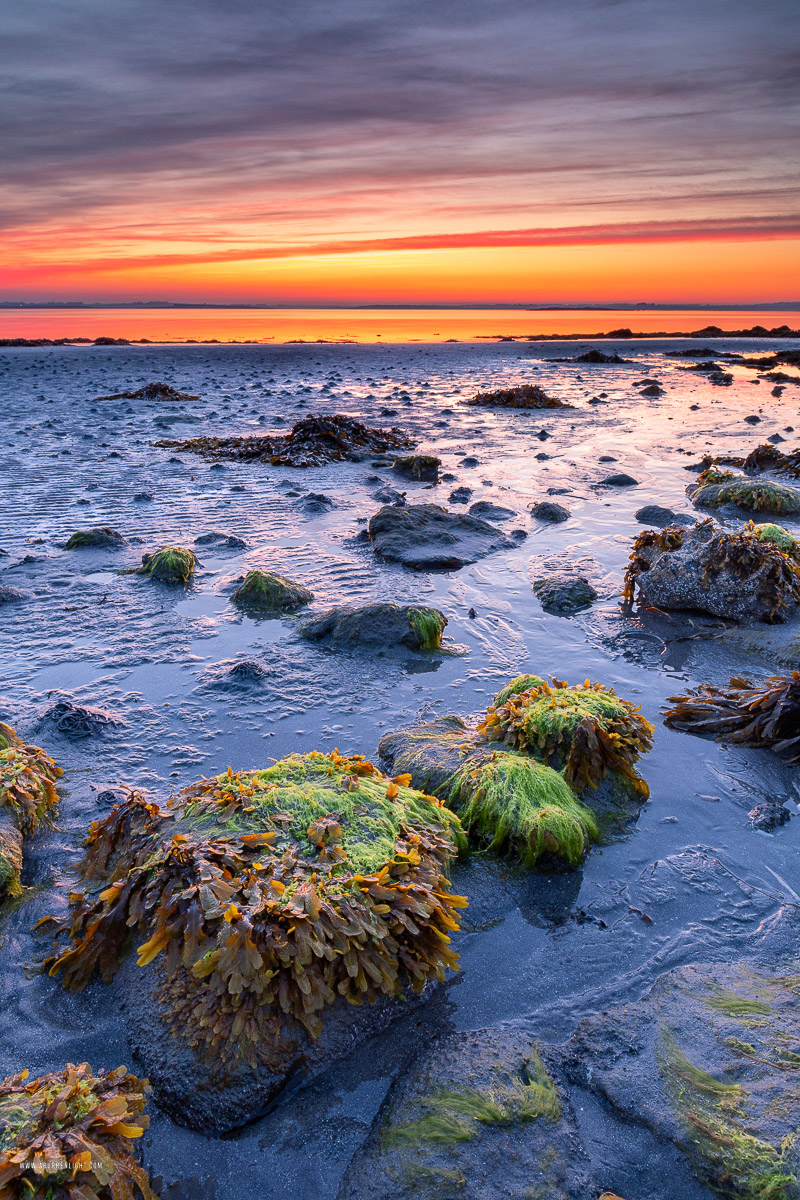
x: 654, y: 514
x: 281, y: 916
x: 478, y: 1116
x: 428, y: 537
x: 708, y: 1060
x: 170, y: 564
x: 423, y: 467
x: 489, y: 511
x: 386, y: 625
x: 714, y: 489
x: 548, y: 510
x: 564, y: 594
x: 734, y: 575
x: 264, y: 592
x: 101, y: 538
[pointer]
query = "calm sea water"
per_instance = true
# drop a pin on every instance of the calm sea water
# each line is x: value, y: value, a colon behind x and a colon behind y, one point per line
x: 363, y: 325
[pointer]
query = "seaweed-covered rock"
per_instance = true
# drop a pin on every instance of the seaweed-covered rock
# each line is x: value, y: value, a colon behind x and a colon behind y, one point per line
x: 741, y: 576
x: 564, y: 594
x: 715, y: 488
x: 708, y: 1060
x: 263, y: 591
x: 170, y: 564
x: 523, y: 395
x: 388, y: 625
x: 478, y: 1117
x: 69, y: 1134
x: 151, y: 391
x: 765, y: 714
x: 549, y: 510
x: 424, y: 467
x: 428, y: 537
x: 521, y: 780
x: 100, y: 538
x: 27, y: 793
x: 264, y: 905
x: 585, y: 730
x: 312, y: 442
x: 595, y: 357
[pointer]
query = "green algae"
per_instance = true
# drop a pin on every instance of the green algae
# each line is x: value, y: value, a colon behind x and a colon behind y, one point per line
x: 733, y: 1005
x: 304, y: 790
x: 428, y: 624
x: 101, y: 537
x: 263, y: 590
x: 452, y: 1115
x: 516, y: 803
x: 740, y: 1164
x: 776, y: 534
x: 170, y: 564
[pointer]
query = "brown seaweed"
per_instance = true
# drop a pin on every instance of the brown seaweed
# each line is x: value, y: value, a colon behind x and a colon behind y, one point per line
x: 68, y: 1135
x: 764, y: 715
x: 523, y: 395
x: 312, y: 442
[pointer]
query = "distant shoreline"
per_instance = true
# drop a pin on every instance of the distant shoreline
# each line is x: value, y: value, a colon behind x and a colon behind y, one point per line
x: 708, y: 333
x: 160, y: 305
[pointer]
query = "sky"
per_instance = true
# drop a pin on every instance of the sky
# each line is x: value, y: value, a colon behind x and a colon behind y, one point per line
x: 544, y: 151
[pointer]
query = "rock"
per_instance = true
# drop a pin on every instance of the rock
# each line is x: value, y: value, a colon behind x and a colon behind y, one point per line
x: 10, y: 595
x: 548, y: 510
x: 387, y: 625
x: 427, y: 537
x: 424, y: 467
x: 388, y: 495
x: 595, y: 356
x: 654, y: 514
x: 261, y: 590
x: 298, y: 966
x: 707, y: 1060
x: 564, y: 594
x: 100, y: 538
x: 620, y: 480
x: 170, y: 564
x: 737, y: 576
x: 315, y: 502
x: 489, y: 511
x: 714, y: 489
x: 753, y: 419
x: 459, y: 495
x: 479, y: 1116
x: 769, y: 815
x: 223, y: 541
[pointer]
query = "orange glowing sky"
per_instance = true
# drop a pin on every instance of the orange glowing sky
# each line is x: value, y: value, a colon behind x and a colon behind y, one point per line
x: 562, y: 151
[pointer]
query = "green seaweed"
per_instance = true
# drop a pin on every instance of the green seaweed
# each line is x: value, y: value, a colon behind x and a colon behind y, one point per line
x: 776, y: 534
x: 715, y: 488
x: 453, y: 1115
x: 428, y: 624
x: 101, y: 537
x: 740, y: 1165
x: 515, y: 802
x: 263, y: 590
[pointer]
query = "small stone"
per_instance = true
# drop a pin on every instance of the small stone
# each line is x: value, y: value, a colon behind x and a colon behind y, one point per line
x: 548, y: 510
x: 620, y: 480
x: 753, y: 419
x: 768, y: 816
